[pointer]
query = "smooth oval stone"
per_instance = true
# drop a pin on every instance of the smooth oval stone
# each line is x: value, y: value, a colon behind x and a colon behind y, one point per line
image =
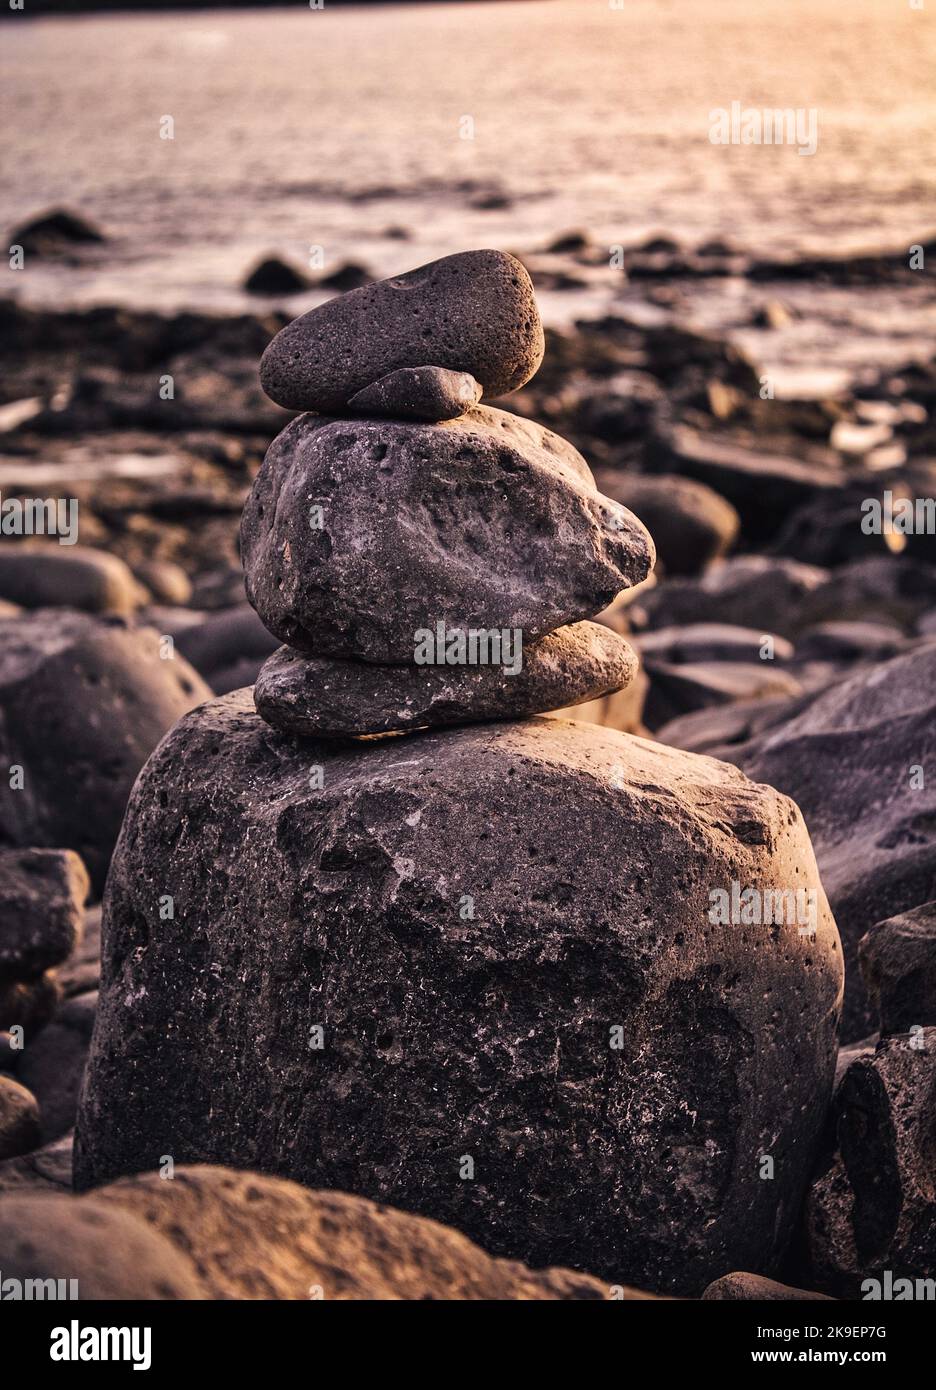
x: 474, y: 312
x: 358, y: 533
x: 418, y: 393
x: 324, y: 698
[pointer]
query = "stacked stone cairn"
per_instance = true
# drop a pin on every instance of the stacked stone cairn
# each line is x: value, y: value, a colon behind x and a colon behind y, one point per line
x: 426, y: 559
x: 472, y: 972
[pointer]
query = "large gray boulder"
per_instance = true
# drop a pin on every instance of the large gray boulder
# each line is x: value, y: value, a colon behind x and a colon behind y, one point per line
x: 358, y: 533
x: 473, y: 312
x: 474, y: 974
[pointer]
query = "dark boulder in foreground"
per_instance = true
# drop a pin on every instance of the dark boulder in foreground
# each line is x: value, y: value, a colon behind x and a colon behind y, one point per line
x: 473, y: 312
x: 871, y: 1214
x: 474, y: 974
x: 857, y: 760
x: 83, y: 701
x: 325, y: 698
x: 359, y: 533
x: 212, y: 1233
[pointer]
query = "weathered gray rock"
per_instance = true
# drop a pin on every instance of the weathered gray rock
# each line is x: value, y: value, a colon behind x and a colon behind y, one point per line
x: 473, y: 312
x: 741, y: 1287
x: 19, y: 1119
x: 872, y: 1213
x: 56, y: 576
x: 483, y: 522
x: 42, y: 896
x: 691, y: 524
x: 745, y: 591
x: 418, y: 393
x: 467, y: 917
x: 856, y: 759
x: 83, y: 701
x: 326, y: 698
x: 898, y: 964
x: 52, y: 1065
x: 110, y: 1252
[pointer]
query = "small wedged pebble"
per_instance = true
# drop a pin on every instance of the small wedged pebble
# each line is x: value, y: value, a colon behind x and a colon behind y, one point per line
x: 418, y: 393
x: 325, y: 698
x: 473, y: 312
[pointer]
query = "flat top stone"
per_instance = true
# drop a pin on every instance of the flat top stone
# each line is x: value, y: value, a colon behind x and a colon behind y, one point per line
x: 318, y: 696
x: 472, y: 312
x: 418, y: 393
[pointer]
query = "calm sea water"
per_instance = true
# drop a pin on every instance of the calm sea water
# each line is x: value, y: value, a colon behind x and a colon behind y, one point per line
x: 295, y: 127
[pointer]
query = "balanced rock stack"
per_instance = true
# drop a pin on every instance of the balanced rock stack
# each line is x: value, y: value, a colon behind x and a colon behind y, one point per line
x: 421, y: 554
x: 472, y: 972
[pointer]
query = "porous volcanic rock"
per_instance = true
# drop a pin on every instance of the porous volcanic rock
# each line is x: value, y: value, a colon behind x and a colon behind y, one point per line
x: 323, y: 697
x: 483, y: 522
x: 872, y: 1212
x: 418, y: 393
x: 472, y: 973
x: 473, y: 312
x: 42, y: 896
x: 83, y: 701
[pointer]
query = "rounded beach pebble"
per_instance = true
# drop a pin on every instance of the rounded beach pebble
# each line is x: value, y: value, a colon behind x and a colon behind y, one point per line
x: 473, y: 312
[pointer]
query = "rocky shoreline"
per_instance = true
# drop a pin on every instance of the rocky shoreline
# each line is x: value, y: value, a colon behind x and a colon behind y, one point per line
x: 779, y: 632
